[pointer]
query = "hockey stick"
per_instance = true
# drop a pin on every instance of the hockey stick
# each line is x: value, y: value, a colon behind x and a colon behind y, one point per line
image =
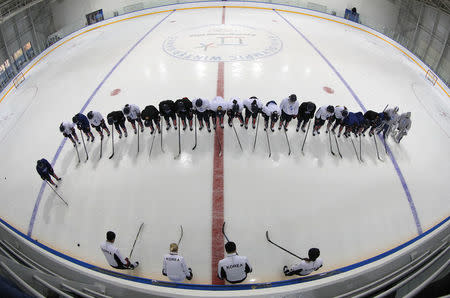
x: 268, y: 239
x: 84, y: 144
x: 195, y: 125
x: 376, y: 147
x: 306, y: 134
x: 140, y: 228
x: 223, y: 232
x: 181, y: 236
x: 101, y: 146
x: 331, y: 147
x: 57, y: 193
x: 112, y: 141
x: 162, y: 130
x: 360, y: 149
x: 138, y: 129
x: 237, y: 137
x: 337, y: 145
x: 256, y: 134
x: 151, y: 147
x: 78, y: 153
x: 356, y: 152
x: 287, y: 140
x: 268, y: 144
x: 179, y: 139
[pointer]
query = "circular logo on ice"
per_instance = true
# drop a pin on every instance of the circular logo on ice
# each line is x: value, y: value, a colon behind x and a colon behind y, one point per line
x: 215, y: 43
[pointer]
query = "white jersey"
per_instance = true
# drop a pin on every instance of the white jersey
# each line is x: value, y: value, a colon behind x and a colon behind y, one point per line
x: 204, y: 107
x: 393, y: 115
x: 239, y: 103
x: 269, y: 109
x: 134, y: 111
x: 404, y: 122
x: 306, y: 267
x: 248, y: 103
x: 234, y: 268
x: 323, y: 114
x: 288, y: 107
x: 218, y: 101
x: 175, y: 268
x: 338, y: 112
x: 112, y: 253
x: 96, y: 118
x: 68, y: 126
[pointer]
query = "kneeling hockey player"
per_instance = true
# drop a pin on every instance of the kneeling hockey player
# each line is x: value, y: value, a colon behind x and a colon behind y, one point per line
x: 113, y: 255
x: 174, y: 266
x: 306, y: 266
x: 233, y: 268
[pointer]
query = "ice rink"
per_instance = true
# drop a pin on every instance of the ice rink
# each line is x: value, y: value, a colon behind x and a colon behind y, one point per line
x: 351, y: 210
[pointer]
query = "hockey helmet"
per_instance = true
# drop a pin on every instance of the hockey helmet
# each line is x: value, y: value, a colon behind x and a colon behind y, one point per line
x: 40, y: 164
x: 344, y: 113
x: 253, y: 97
x: 292, y: 98
x: 330, y: 109
x: 313, y: 254
x: 126, y: 109
x: 180, y: 106
x: 75, y: 118
x: 230, y: 247
x: 90, y: 115
x: 254, y: 106
x: 61, y: 127
x: 198, y: 102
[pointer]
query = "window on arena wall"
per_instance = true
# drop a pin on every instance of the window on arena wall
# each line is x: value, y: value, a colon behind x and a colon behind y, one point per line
x: 8, y: 69
x: 28, y: 50
x: 19, y: 58
x: 3, y: 76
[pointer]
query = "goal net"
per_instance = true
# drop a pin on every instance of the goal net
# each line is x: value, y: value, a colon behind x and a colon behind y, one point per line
x: 431, y: 77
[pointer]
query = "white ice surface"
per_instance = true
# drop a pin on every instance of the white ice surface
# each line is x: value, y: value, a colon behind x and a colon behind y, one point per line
x: 351, y: 211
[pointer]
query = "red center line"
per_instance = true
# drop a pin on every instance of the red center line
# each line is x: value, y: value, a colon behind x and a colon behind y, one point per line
x: 217, y: 252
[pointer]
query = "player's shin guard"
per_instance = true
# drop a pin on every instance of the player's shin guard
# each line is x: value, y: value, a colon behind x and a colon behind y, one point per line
x: 246, y: 121
x: 253, y: 122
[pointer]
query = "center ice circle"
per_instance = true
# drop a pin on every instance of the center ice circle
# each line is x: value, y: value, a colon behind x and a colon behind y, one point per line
x: 214, y: 43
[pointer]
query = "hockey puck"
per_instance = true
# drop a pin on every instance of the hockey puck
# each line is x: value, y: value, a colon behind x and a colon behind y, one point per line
x: 115, y: 92
x: 328, y: 90
x: 78, y: 244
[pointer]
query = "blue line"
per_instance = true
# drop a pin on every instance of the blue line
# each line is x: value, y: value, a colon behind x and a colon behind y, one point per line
x: 41, y: 191
x: 391, y: 155
x: 225, y: 287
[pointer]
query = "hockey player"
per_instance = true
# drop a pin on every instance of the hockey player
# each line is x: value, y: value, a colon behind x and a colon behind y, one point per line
x: 68, y: 131
x: 82, y: 123
x: 389, y: 124
x: 305, y: 113
x: 354, y: 122
x: 322, y: 114
x: 96, y: 120
x: 340, y: 112
x: 233, y: 268
x: 118, y: 119
x: 167, y: 110
x: 174, y: 266
x: 201, y: 109
x: 150, y: 114
x: 183, y: 108
x: 133, y: 114
x: 289, y: 109
x: 218, y: 109
x: 404, y: 124
x: 252, y: 106
x: 112, y: 254
x: 306, y: 266
x: 44, y: 168
x: 235, y: 108
x: 270, y: 111
x: 371, y: 119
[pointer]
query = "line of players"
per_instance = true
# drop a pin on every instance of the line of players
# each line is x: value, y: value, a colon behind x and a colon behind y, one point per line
x: 289, y: 109
x: 233, y: 268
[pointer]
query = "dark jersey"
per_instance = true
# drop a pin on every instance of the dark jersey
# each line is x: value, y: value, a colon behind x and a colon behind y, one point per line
x: 303, y: 111
x: 183, y: 105
x: 44, y: 168
x: 150, y: 112
x: 371, y: 116
x: 116, y: 117
x: 166, y: 107
x: 81, y: 121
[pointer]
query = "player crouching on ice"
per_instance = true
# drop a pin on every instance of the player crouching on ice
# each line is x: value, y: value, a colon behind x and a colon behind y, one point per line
x: 68, y: 131
x: 45, y: 169
x: 82, y: 123
x: 97, y: 122
x: 307, y: 265
x: 403, y: 126
x: 118, y: 119
x: 133, y: 114
x: 150, y: 114
x: 233, y: 268
x: 113, y: 255
x: 174, y: 266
